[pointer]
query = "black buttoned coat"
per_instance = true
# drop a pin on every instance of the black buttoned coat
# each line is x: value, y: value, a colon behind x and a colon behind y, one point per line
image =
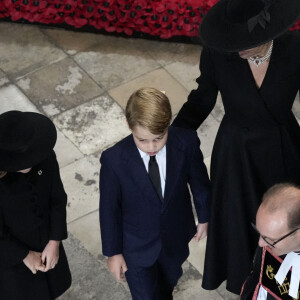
x: 32, y: 212
x: 257, y: 145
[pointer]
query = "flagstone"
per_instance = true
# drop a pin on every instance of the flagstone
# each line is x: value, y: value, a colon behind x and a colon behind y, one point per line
x: 166, y: 53
x: 115, y: 62
x: 66, y: 151
x: 94, y: 125
x: 87, y: 230
x: 59, y: 87
x: 12, y: 98
x: 80, y: 180
x: 72, y: 41
x: 25, y: 48
x: 185, y: 73
x: 159, y: 79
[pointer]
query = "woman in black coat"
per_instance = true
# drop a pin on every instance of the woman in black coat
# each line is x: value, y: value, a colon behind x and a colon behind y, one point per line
x: 258, y: 142
x: 33, y: 263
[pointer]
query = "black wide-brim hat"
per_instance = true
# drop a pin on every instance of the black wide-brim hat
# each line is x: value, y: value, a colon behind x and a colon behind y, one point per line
x: 235, y: 25
x: 26, y: 138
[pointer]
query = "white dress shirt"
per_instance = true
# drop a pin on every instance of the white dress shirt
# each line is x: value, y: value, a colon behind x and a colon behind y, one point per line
x: 162, y: 165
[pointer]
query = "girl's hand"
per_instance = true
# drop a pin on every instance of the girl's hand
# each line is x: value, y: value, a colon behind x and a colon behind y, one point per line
x: 33, y: 261
x: 50, y: 255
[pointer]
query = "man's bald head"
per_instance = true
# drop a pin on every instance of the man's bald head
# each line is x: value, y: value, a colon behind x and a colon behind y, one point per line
x: 284, y: 198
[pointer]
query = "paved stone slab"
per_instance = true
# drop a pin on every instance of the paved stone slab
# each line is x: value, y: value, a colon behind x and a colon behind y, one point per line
x: 80, y: 180
x: 91, y: 279
x: 185, y: 73
x: 87, y: 230
x: 24, y: 48
x: 225, y: 294
x: 115, y: 61
x: 169, y: 52
x: 189, y: 286
x: 94, y: 125
x: 66, y: 151
x: 207, y: 163
x: 73, y: 41
x: 13, y: 99
x: 59, y: 87
x: 197, y: 252
x: 3, y: 79
x: 159, y: 79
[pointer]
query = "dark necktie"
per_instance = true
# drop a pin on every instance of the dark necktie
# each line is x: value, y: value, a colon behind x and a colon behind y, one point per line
x: 153, y: 171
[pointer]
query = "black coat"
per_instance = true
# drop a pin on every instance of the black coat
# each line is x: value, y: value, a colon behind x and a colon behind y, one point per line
x: 32, y: 212
x: 257, y: 145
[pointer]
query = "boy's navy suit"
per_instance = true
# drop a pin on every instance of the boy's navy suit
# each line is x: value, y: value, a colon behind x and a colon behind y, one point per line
x: 134, y: 221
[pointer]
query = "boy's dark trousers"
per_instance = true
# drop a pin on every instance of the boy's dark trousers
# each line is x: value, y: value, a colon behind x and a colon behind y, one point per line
x: 155, y: 282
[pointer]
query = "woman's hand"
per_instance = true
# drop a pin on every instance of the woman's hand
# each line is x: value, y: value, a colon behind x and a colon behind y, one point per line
x: 33, y: 261
x: 50, y: 255
x: 201, y: 232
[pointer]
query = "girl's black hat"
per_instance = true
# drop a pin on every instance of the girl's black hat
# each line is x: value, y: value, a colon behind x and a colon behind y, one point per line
x: 26, y: 138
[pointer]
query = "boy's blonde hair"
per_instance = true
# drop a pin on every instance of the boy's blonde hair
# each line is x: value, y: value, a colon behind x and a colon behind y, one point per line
x: 149, y: 108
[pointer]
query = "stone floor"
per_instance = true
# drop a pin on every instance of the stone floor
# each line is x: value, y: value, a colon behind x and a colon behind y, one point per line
x: 82, y: 82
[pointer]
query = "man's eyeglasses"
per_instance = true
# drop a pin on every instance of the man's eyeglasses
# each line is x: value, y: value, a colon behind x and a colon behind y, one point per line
x: 272, y: 245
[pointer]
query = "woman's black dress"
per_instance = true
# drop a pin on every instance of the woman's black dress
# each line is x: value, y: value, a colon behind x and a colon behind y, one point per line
x: 257, y: 145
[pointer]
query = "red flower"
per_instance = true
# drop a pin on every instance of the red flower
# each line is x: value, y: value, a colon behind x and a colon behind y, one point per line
x: 15, y: 15
x: 164, y: 18
x: 211, y: 3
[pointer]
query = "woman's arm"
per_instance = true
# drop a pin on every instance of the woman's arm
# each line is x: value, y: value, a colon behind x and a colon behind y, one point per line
x: 202, y: 100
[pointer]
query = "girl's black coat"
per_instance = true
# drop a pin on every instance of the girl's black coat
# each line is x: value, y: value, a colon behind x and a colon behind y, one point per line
x: 257, y: 145
x: 32, y: 212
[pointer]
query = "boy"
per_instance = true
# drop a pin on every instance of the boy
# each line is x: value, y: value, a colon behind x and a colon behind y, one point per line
x: 146, y: 214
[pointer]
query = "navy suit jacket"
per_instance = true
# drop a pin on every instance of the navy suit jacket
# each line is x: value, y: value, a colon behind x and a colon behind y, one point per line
x: 134, y: 222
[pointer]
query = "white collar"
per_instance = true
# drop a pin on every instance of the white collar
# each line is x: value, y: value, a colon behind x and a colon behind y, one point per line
x: 160, y: 153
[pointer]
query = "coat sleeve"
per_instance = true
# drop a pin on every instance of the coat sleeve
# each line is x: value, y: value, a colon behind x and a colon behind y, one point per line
x: 202, y: 100
x: 58, y: 202
x: 110, y: 209
x: 12, y: 251
x: 199, y: 182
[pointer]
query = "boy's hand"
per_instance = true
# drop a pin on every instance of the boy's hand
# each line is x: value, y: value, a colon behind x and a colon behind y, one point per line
x: 201, y: 232
x: 50, y: 255
x: 33, y: 261
x: 117, y: 266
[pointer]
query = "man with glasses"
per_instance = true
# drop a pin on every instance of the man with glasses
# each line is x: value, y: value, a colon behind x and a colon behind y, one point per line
x: 276, y: 267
